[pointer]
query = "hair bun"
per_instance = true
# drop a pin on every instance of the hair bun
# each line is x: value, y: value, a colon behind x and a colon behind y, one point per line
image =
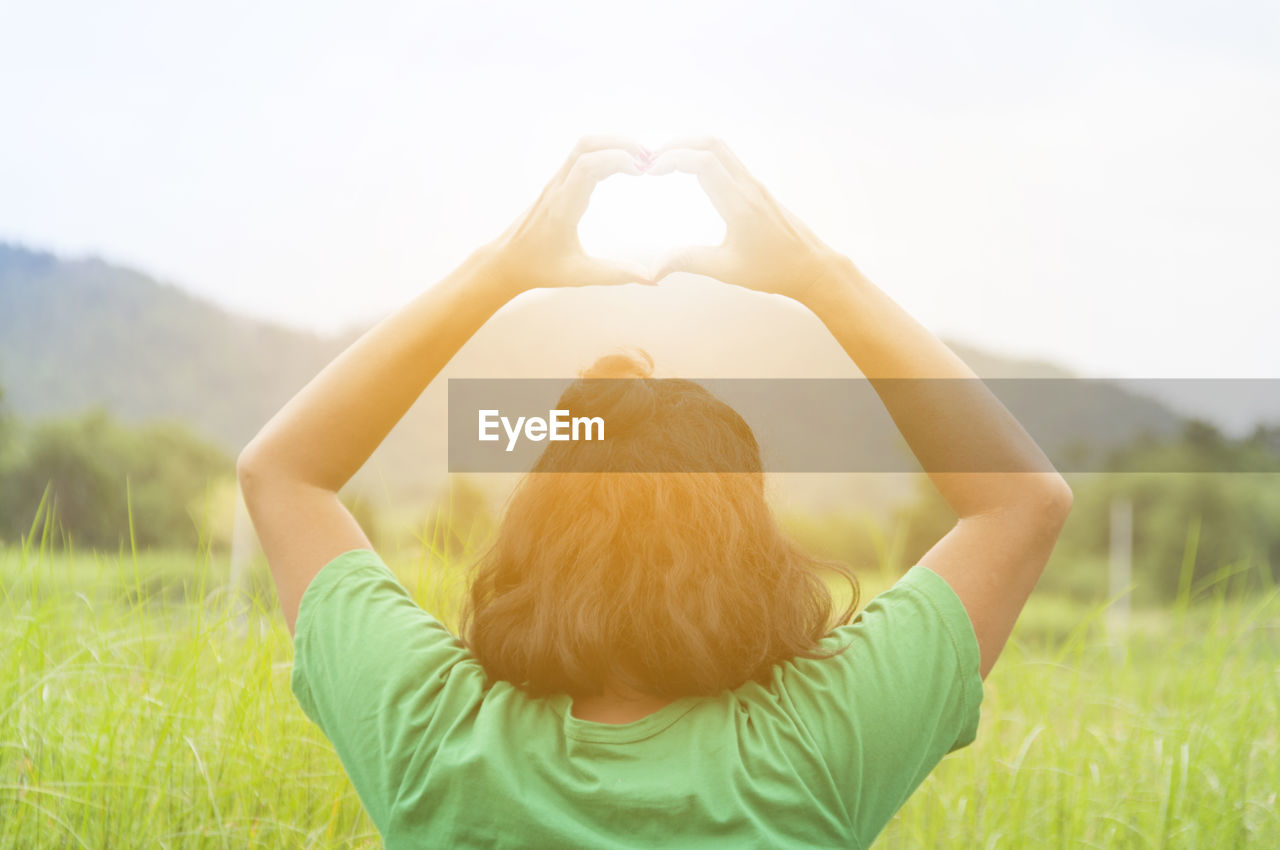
x: 616, y: 388
x: 634, y: 363
x: 653, y: 424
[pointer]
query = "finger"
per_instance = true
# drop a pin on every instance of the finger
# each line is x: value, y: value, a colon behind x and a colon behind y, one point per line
x: 603, y: 142
x: 717, y: 148
x: 725, y: 193
x: 590, y: 144
x: 592, y: 271
x: 598, y: 165
x: 587, y: 171
x: 695, y: 259
x: 714, y: 146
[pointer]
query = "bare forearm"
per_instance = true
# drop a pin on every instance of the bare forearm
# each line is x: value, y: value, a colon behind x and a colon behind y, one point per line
x: 290, y: 473
x: 325, y: 433
x: 948, y: 417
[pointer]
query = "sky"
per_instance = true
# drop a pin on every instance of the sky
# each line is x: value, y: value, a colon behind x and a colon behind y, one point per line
x: 1095, y: 183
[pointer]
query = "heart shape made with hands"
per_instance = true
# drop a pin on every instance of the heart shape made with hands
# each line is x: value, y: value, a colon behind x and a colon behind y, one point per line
x: 640, y: 219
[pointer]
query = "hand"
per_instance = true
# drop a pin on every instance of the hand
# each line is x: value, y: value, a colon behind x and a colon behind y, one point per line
x: 541, y: 248
x: 765, y: 247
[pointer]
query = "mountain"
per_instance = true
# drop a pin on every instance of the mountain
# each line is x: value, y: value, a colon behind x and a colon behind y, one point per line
x: 78, y: 333
x: 81, y: 332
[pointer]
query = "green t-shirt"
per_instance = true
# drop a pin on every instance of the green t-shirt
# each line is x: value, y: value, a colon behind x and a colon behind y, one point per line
x: 821, y: 757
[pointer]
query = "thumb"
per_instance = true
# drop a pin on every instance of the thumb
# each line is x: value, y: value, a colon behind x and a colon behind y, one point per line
x: 595, y: 272
x: 695, y: 259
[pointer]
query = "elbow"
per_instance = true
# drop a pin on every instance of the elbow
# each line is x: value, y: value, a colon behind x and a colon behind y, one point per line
x: 1063, y: 498
x: 1051, y: 499
x: 247, y: 467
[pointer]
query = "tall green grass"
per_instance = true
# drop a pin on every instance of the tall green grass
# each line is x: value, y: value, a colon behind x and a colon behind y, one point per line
x: 1168, y: 739
x: 134, y: 715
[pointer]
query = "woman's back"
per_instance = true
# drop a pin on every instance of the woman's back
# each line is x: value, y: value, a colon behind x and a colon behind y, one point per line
x: 822, y: 755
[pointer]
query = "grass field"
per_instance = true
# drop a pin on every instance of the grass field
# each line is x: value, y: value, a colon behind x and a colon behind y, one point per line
x: 137, y: 711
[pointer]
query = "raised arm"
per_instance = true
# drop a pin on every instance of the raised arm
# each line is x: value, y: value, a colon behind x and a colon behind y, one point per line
x: 1010, y: 510
x: 290, y: 473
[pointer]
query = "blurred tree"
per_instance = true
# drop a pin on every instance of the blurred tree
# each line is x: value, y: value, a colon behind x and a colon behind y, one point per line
x: 8, y: 439
x: 1188, y: 526
x: 67, y: 458
x: 98, y: 471
x: 167, y: 466
x: 7, y: 427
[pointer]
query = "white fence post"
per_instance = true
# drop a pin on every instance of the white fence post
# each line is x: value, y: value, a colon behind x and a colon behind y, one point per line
x: 1121, y: 566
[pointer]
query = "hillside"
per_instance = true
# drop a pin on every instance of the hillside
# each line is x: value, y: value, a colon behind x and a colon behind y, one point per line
x: 78, y: 333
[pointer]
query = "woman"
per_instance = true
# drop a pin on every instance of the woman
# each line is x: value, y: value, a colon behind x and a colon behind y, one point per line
x: 567, y: 717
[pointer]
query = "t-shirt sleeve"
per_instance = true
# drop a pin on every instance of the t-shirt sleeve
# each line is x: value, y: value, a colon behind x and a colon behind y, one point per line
x: 379, y: 675
x: 905, y: 692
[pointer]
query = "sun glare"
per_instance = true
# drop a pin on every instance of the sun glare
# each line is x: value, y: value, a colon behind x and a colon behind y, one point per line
x: 639, y: 219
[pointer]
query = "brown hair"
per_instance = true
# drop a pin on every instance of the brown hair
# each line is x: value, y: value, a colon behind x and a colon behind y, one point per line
x: 672, y: 583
